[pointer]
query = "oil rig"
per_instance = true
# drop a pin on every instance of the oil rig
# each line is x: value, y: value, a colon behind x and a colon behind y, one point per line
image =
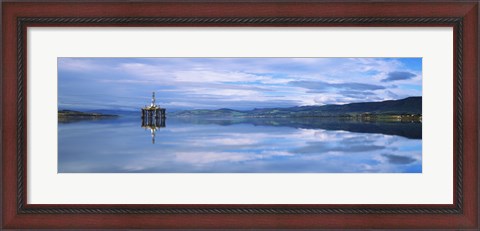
x: 153, y: 117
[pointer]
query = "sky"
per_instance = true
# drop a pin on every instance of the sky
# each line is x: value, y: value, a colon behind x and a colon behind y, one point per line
x: 236, y: 83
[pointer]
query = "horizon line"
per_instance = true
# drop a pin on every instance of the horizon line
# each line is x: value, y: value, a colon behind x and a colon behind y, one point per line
x: 243, y: 109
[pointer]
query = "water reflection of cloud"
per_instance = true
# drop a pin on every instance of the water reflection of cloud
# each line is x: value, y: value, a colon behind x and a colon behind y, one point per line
x: 322, y: 147
x: 234, y: 141
x: 201, y: 158
x: 397, y: 159
x: 182, y: 147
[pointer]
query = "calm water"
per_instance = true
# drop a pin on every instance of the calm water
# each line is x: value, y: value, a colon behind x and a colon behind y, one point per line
x: 239, y: 146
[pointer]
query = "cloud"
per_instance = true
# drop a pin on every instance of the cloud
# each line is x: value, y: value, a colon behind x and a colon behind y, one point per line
x: 398, y: 75
x: 79, y: 65
x: 321, y: 85
x: 357, y: 94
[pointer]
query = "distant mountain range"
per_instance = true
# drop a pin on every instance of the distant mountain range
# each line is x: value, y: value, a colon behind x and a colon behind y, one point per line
x: 411, y: 106
x: 67, y: 116
x: 71, y: 113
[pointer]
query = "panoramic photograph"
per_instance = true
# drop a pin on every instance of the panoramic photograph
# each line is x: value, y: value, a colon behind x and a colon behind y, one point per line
x: 239, y: 115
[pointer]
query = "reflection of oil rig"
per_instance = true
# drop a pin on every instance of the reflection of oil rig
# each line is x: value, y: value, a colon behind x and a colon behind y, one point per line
x: 153, y: 117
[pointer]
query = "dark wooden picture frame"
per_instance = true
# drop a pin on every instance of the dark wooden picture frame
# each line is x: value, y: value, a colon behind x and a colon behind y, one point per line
x: 462, y: 16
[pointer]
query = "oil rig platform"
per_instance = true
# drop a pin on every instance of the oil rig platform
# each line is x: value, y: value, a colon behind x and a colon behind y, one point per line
x: 153, y: 117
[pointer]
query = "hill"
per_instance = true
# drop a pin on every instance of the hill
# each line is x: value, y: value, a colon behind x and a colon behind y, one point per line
x: 66, y: 116
x: 408, y: 107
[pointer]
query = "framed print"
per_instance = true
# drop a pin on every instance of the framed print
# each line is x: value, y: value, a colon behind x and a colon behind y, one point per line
x: 288, y: 115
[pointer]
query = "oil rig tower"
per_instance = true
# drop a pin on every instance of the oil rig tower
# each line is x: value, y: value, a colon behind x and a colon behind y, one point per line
x: 153, y: 117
